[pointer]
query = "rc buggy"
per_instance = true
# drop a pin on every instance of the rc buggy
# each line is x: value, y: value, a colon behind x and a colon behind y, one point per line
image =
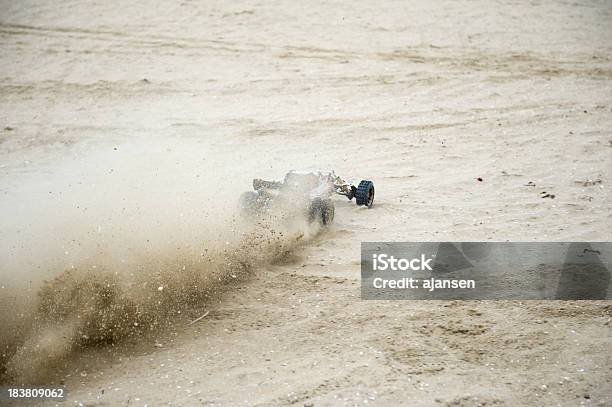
x: 307, y: 192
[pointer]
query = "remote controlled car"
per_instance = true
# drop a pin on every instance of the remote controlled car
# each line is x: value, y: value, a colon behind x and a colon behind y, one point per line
x: 309, y: 192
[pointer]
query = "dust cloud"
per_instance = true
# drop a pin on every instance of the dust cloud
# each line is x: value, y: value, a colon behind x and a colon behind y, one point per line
x: 109, y: 246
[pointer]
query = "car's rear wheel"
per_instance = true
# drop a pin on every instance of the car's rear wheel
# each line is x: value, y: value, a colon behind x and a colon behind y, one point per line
x: 248, y: 204
x: 322, y: 211
x: 365, y: 193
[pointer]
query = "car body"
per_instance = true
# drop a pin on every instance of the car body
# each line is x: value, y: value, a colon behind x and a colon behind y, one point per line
x: 310, y: 192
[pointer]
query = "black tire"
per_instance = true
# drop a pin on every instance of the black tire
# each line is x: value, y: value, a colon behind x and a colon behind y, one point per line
x: 322, y: 211
x: 365, y: 194
x: 249, y: 204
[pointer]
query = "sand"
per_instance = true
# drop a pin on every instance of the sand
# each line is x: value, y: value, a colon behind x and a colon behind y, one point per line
x: 128, y: 128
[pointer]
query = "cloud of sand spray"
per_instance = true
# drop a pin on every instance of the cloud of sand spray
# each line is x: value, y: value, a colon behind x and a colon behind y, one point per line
x: 85, y: 307
x: 133, y: 276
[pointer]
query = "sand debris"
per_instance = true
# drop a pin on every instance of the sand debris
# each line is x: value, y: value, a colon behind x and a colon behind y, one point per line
x: 588, y: 182
x: 199, y: 318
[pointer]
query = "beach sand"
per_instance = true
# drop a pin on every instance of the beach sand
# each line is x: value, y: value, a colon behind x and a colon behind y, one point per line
x: 124, y: 122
